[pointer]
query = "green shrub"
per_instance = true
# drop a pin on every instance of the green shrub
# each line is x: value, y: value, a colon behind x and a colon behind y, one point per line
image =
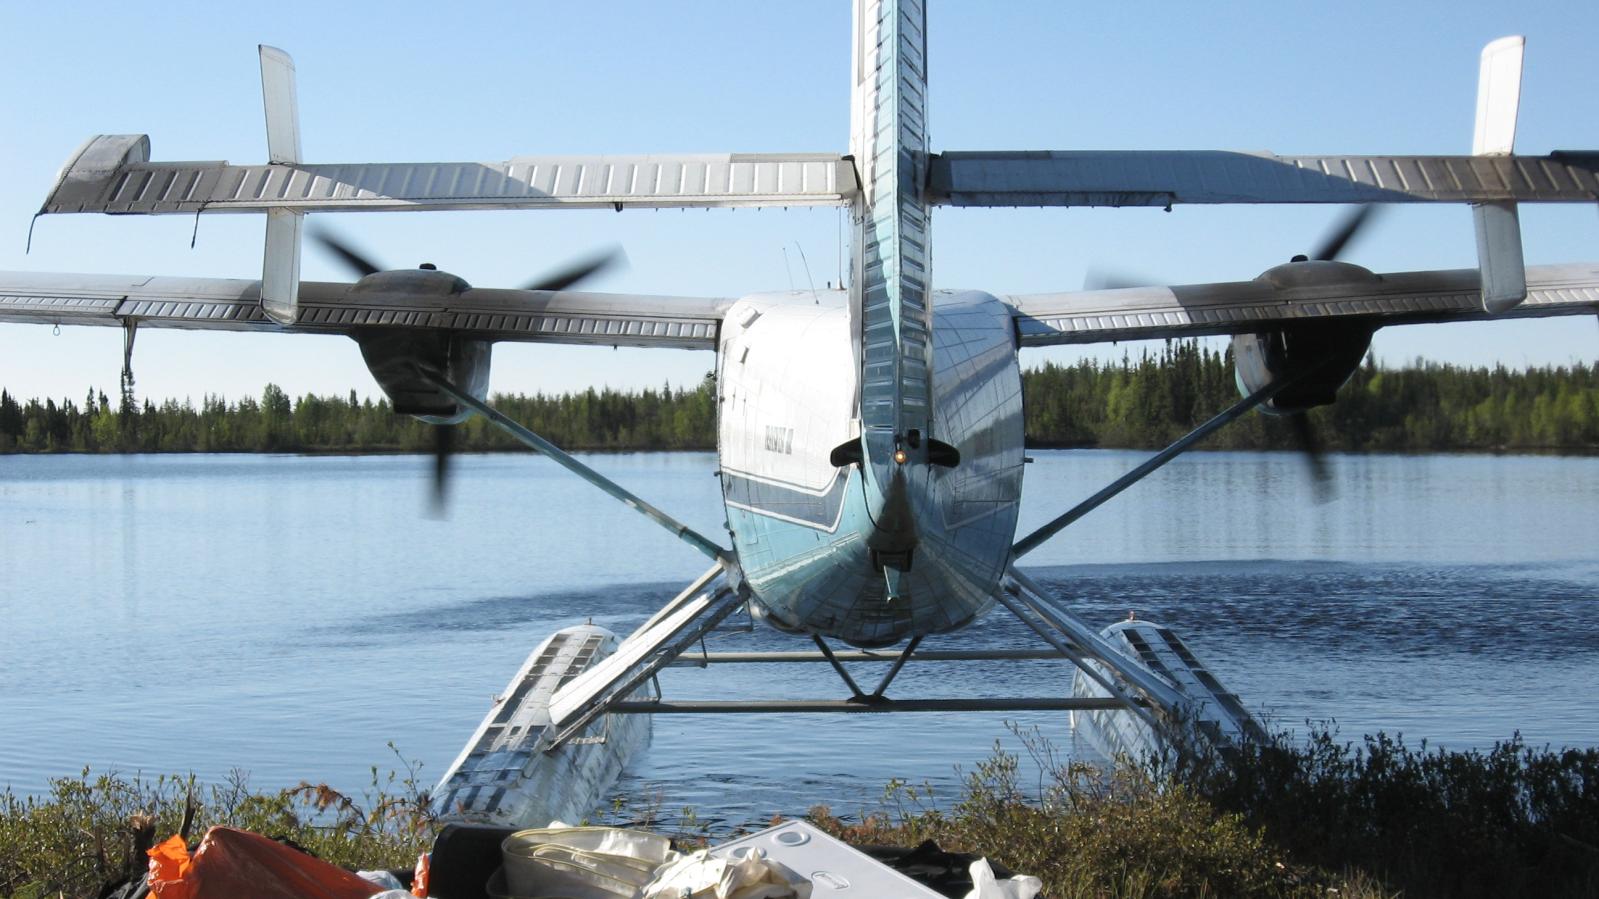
x: 1285, y: 817
x: 1511, y: 821
x: 1088, y: 833
x: 83, y: 834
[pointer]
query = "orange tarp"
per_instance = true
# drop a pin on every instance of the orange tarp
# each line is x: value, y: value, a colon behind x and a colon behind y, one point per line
x: 236, y: 864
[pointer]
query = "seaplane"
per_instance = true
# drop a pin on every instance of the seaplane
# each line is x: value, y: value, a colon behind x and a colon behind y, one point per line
x: 870, y: 435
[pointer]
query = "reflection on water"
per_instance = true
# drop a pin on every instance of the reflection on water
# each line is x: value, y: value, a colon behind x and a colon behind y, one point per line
x: 291, y: 615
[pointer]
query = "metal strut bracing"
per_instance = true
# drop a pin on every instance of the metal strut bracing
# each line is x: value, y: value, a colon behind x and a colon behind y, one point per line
x: 1079, y: 656
x: 1078, y: 640
x: 1053, y: 621
x: 852, y: 706
x: 704, y: 659
x: 616, y: 677
x: 1231, y: 413
x: 677, y: 626
x: 611, y: 685
x: 668, y: 640
x: 534, y: 441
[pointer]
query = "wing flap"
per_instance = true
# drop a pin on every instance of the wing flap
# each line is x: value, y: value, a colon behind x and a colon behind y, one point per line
x: 76, y: 299
x: 332, y: 308
x: 1143, y: 313
x: 1171, y: 177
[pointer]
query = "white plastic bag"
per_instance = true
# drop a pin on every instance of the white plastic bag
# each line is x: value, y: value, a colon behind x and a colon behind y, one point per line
x: 382, y: 878
x: 986, y: 886
x: 700, y: 876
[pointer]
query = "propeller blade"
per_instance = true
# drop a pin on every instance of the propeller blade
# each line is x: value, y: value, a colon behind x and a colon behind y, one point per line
x: 577, y: 271
x: 1310, y: 445
x: 443, y: 445
x: 1333, y: 244
x: 1104, y: 279
x: 345, y: 252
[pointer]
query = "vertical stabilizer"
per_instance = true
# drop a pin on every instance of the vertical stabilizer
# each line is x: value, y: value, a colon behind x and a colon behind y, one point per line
x: 890, y: 297
x: 280, y: 268
x: 1499, y: 255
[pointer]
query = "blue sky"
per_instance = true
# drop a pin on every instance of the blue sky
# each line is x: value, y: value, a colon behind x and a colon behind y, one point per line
x: 421, y: 81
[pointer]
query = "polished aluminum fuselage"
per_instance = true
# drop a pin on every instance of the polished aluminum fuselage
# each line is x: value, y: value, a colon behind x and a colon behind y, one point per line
x: 841, y: 413
x: 803, y: 528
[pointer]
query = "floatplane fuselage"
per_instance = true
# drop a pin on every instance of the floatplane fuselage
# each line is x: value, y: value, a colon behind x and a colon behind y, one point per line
x: 823, y: 547
x: 871, y: 445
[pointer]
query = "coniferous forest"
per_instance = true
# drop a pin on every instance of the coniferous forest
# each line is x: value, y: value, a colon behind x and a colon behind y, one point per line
x: 1141, y: 402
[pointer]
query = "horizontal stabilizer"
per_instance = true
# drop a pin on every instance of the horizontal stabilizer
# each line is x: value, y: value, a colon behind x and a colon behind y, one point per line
x: 1176, y: 177
x: 130, y: 184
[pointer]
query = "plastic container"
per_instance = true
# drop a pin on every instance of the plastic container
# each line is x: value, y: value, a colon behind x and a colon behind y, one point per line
x: 834, y: 868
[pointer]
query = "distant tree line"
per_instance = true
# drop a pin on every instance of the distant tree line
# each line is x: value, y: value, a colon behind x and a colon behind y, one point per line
x: 1134, y: 403
x: 1153, y: 400
x: 669, y: 418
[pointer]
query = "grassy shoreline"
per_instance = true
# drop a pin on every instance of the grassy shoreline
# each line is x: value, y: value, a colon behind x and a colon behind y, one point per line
x: 1294, y: 817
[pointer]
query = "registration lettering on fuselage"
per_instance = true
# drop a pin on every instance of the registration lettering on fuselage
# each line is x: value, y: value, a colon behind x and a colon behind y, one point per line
x: 779, y: 440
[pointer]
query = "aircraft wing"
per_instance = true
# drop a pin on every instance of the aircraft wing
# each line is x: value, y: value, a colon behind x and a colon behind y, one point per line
x: 226, y: 304
x: 1291, y: 294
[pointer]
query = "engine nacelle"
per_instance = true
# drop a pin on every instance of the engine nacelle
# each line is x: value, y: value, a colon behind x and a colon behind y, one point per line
x: 397, y: 358
x: 1325, y: 353
x: 1332, y: 349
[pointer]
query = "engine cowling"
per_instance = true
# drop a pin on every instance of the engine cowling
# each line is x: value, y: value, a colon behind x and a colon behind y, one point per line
x: 1323, y: 353
x: 398, y: 357
x: 1272, y: 356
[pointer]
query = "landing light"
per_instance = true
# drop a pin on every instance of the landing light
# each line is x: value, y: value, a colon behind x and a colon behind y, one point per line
x: 900, y: 457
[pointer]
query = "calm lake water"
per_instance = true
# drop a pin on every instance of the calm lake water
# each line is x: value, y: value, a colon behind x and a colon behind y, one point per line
x: 291, y: 616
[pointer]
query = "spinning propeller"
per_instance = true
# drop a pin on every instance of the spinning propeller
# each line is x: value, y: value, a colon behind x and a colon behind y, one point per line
x: 1305, y: 435
x: 1332, y: 245
x: 1335, y: 241
x: 560, y: 279
x: 437, y: 352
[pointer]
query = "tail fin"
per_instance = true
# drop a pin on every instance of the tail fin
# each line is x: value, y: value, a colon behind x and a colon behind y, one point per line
x: 890, y: 296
